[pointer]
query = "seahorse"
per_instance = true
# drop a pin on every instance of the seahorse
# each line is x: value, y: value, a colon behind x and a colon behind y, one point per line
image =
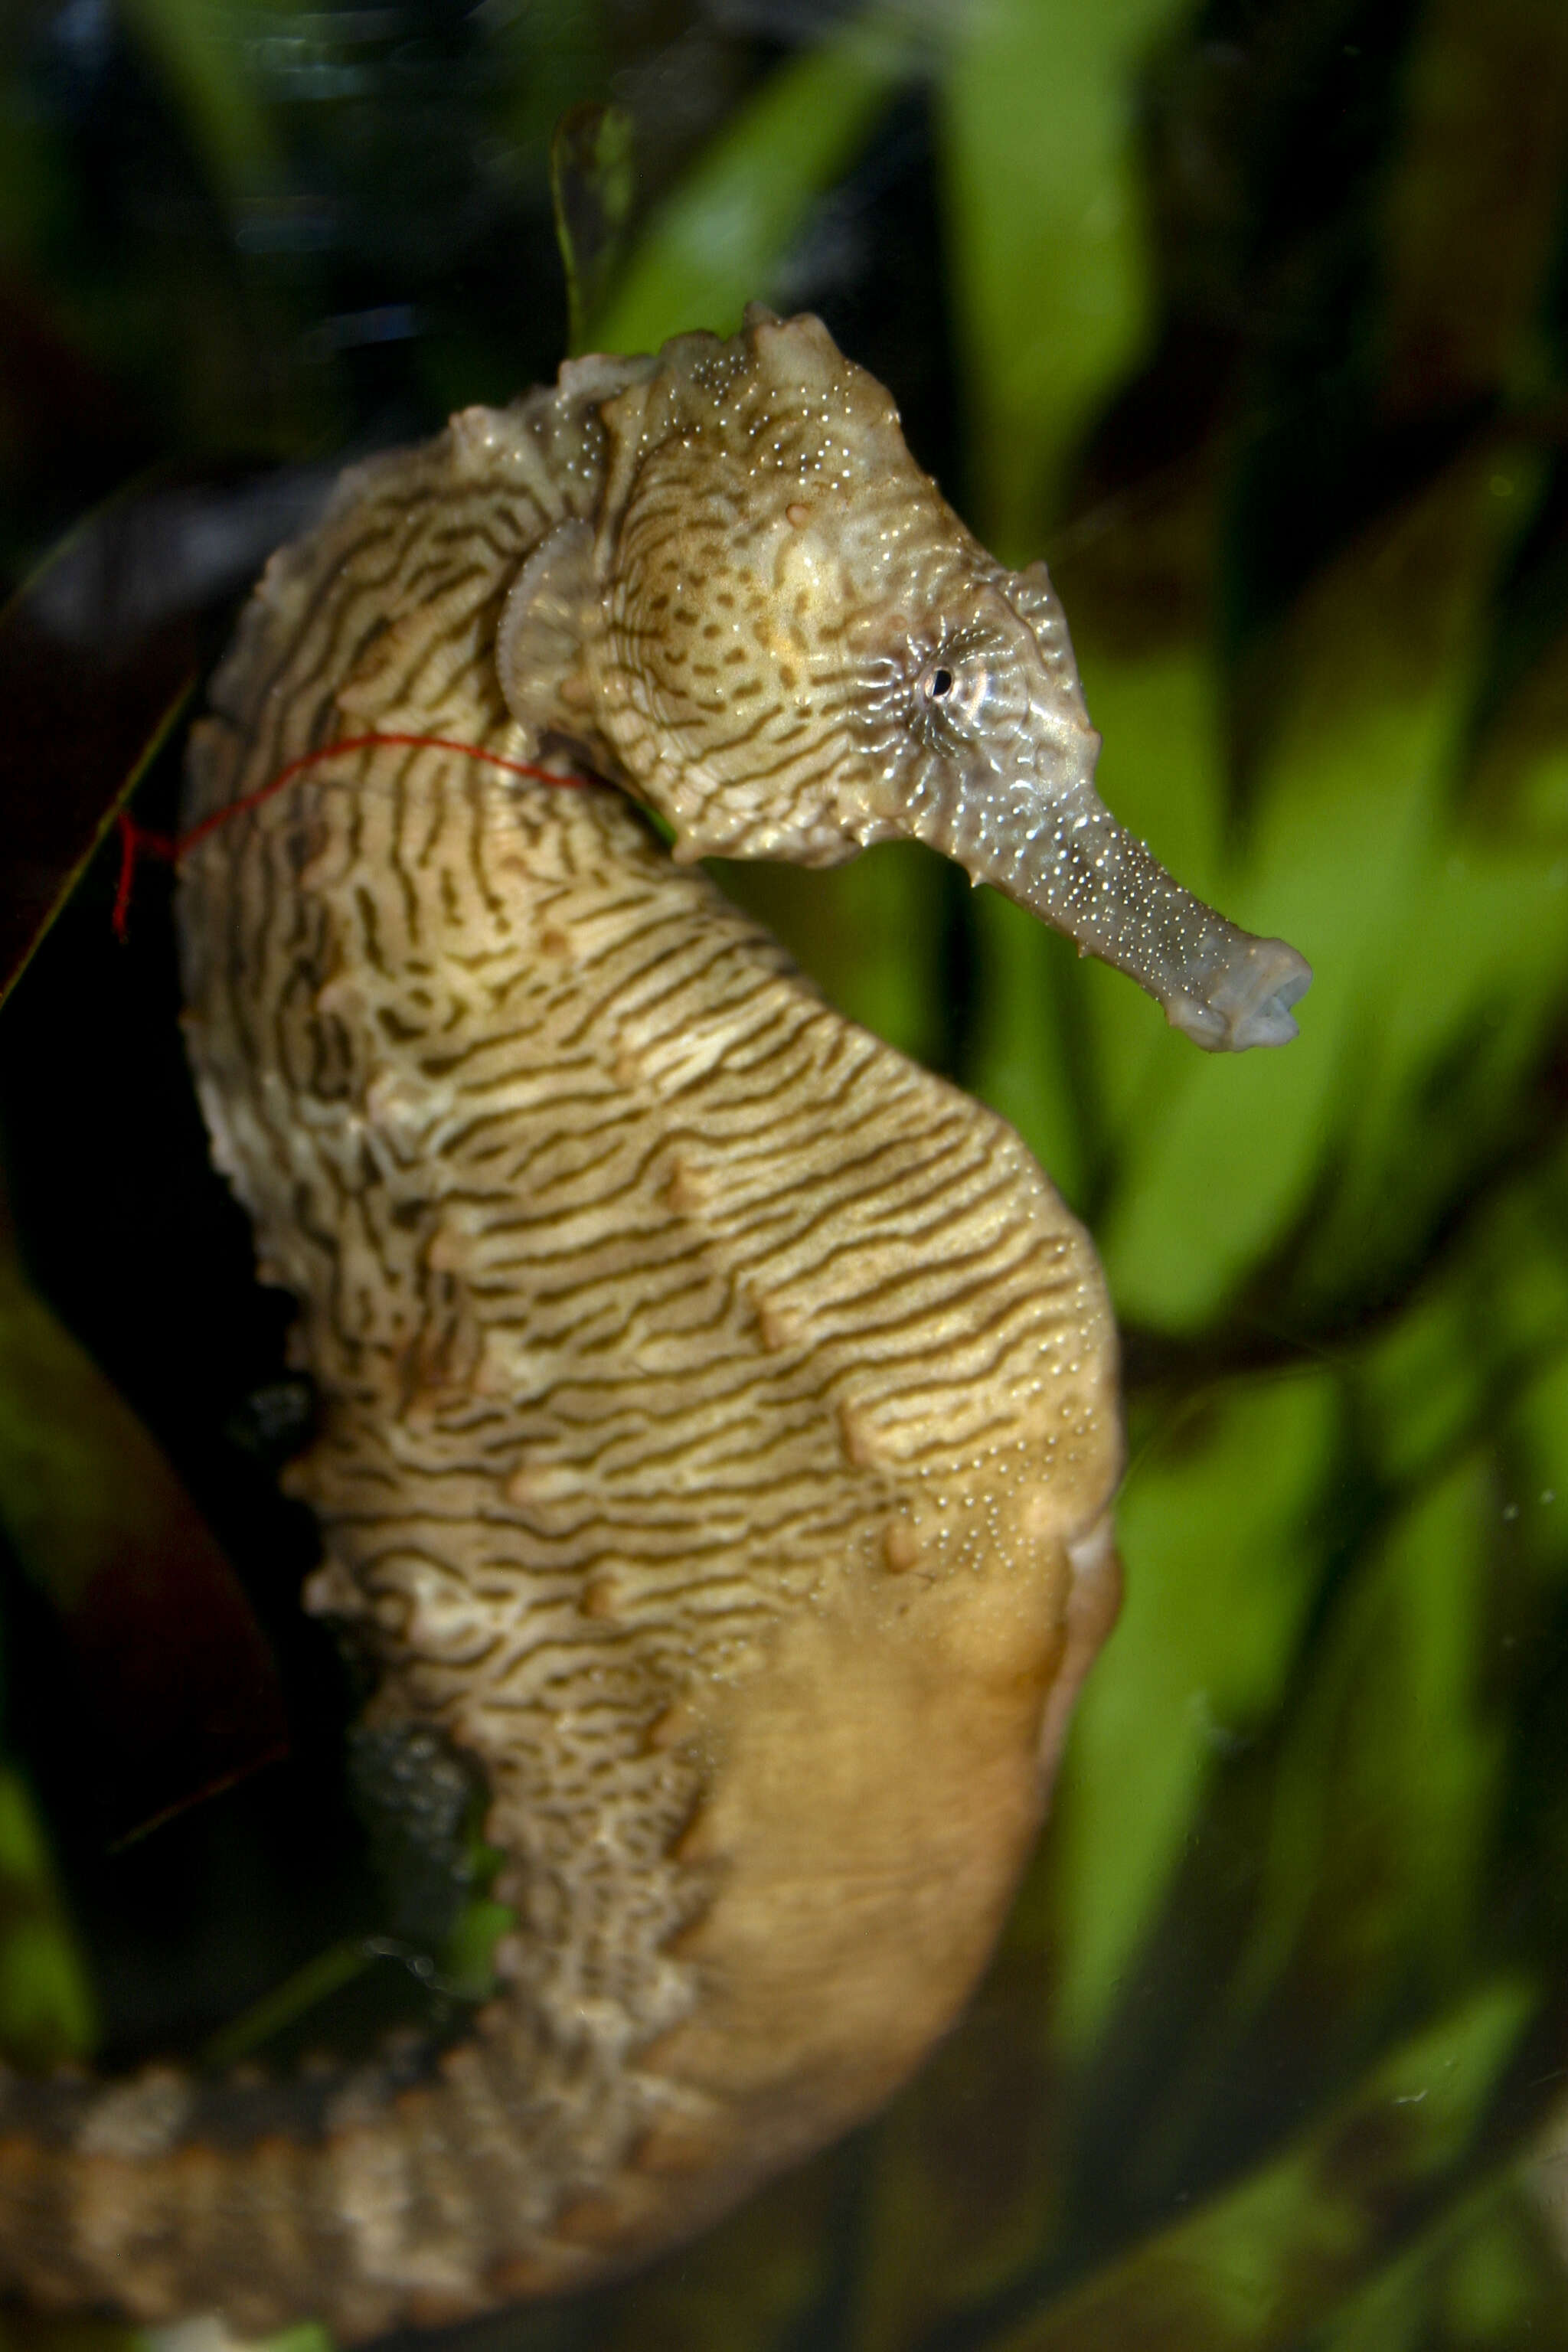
x: 718, y: 1418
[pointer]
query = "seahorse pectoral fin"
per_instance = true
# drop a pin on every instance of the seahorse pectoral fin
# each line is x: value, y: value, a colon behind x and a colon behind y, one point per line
x: 1093, y: 1606
x: 551, y: 612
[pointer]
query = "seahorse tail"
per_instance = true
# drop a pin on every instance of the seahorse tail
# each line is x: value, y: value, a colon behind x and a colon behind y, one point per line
x: 414, y: 2187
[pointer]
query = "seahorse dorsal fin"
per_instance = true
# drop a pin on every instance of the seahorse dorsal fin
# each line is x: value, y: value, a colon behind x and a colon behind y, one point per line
x: 554, y: 609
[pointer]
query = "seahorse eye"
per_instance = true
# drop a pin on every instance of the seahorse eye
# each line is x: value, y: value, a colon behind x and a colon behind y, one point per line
x: 961, y: 686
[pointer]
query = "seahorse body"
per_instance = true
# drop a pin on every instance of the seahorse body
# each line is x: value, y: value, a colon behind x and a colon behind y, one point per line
x: 718, y: 1413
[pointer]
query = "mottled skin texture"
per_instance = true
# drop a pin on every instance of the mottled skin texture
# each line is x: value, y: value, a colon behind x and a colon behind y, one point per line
x: 719, y: 1421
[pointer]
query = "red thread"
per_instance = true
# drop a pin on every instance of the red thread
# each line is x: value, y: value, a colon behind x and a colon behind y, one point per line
x: 139, y: 840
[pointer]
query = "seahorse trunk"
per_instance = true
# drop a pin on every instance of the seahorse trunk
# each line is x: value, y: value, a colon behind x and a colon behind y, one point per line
x: 718, y: 1427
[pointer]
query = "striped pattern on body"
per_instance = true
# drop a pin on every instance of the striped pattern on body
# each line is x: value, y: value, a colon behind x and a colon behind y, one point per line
x: 715, y: 1408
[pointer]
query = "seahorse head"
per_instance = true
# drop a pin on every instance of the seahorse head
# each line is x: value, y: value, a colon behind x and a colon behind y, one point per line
x: 780, y: 637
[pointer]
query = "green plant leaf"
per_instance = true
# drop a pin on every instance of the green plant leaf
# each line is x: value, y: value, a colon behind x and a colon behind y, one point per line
x: 1050, y: 289
x: 47, y: 2010
x: 1263, y: 2262
x: 1463, y: 274
x: 719, y: 241
x: 591, y: 185
x: 1352, y: 856
x: 1386, y: 1791
x: 198, y: 45
x: 1028, y: 1057
x: 176, y: 1684
x: 1220, y: 1570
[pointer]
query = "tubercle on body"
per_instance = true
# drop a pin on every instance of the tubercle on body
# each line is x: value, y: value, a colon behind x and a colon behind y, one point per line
x: 777, y: 633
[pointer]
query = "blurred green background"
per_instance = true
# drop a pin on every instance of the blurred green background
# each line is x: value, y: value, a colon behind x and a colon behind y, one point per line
x: 1252, y: 317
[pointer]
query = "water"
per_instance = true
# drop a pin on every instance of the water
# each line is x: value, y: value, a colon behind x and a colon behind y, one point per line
x: 1253, y: 322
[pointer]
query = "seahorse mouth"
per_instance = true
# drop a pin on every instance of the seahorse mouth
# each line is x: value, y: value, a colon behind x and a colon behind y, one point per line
x: 1247, y: 1000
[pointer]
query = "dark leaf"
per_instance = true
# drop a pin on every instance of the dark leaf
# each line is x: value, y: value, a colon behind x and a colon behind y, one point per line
x: 99, y: 654
x: 591, y: 182
x: 174, y: 1680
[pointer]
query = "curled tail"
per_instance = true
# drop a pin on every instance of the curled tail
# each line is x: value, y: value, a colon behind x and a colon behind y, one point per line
x: 418, y: 2188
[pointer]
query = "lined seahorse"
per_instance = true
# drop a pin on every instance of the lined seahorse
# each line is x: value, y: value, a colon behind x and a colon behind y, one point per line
x: 719, y: 1419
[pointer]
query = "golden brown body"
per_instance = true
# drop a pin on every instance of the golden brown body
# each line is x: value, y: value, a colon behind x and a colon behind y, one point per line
x: 718, y: 1430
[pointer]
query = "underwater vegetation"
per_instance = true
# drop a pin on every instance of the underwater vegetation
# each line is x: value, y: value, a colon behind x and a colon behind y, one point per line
x: 1253, y: 322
